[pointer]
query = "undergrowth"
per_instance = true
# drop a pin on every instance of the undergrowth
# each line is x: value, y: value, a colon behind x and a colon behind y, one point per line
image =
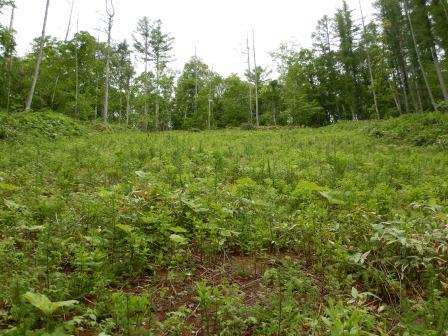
x: 274, y: 232
x: 40, y: 125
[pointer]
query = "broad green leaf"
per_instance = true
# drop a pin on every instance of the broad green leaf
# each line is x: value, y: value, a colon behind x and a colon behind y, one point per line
x: 311, y: 186
x: 33, y: 228
x: 354, y: 292
x: 47, y: 307
x: 8, y: 187
x: 331, y: 197
x: 106, y: 194
x: 140, y: 173
x: 246, y: 181
x: 96, y: 241
x: 178, y: 229
x: 178, y: 239
x: 13, y: 206
x: 200, y: 210
x: 124, y: 227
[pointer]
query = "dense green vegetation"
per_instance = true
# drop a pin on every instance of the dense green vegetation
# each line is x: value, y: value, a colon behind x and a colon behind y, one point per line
x: 110, y: 227
x: 334, y: 231
x: 48, y: 125
x: 394, y: 63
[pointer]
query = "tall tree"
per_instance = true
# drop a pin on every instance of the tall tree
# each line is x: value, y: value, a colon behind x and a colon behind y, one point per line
x: 192, y: 94
x: 161, y: 45
x: 419, y: 58
x: 257, y: 118
x: 426, y: 36
x: 251, y: 113
x: 29, y: 99
x: 110, y: 11
x: 326, y: 67
x: 392, y: 19
x: 349, y: 59
x: 142, y: 46
x: 122, y: 72
x: 65, y: 40
x: 9, y: 51
x: 369, y: 65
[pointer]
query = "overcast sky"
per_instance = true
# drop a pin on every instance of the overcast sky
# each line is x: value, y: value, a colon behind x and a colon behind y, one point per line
x: 217, y: 28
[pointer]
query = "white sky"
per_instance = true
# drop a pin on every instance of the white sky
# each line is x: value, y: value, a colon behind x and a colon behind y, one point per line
x: 217, y: 28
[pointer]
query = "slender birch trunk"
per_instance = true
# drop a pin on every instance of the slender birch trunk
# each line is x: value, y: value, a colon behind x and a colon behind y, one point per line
x: 209, y: 122
x: 256, y: 81
x: 97, y: 88
x: 439, y: 74
x: 145, y: 108
x: 156, y: 117
x: 29, y: 99
x: 56, y: 82
x: 369, y: 64
x: 128, y: 94
x: 77, y: 72
x: 419, y: 60
x: 250, y: 86
x: 195, y: 81
x: 10, y: 61
x: 110, y: 13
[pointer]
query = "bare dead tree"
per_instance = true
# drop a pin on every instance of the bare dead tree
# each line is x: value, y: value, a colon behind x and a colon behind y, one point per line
x: 257, y: 120
x: 29, y: 99
x: 210, y: 100
x: 77, y: 72
x: 110, y: 11
x: 195, y: 80
x: 67, y: 32
x: 251, y: 112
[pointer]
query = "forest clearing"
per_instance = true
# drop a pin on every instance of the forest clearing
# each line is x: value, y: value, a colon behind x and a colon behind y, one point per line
x: 226, y: 168
x: 333, y: 231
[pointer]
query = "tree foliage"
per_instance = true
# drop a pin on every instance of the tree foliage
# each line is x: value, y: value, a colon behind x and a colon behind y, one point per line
x: 400, y: 56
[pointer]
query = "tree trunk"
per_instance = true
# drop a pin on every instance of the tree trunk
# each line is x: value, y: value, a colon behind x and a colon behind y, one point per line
x: 145, y: 108
x: 128, y: 94
x: 29, y: 99
x: 419, y: 60
x: 404, y: 89
x: 195, y: 81
x: 439, y: 74
x: 65, y: 40
x: 418, y: 104
x: 256, y: 81
x: 77, y: 73
x: 97, y: 87
x: 445, y: 9
x: 250, y: 86
x: 11, y: 29
x: 107, y: 68
x: 156, y: 117
x: 369, y: 64
x: 209, y: 119
x: 397, y: 103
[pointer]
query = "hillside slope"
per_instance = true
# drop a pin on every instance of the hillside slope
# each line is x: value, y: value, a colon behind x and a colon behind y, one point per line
x: 327, y: 231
